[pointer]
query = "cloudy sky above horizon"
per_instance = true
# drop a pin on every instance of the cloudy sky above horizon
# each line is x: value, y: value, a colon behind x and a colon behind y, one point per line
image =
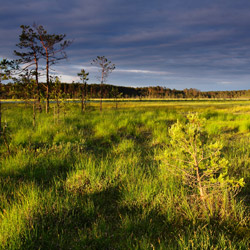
x: 173, y: 43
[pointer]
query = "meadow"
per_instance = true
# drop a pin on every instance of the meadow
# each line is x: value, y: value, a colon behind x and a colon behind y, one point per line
x: 97, y: 180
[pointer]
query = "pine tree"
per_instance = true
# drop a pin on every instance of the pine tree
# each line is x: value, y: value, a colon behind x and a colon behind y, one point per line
x: 30, y: 55
x: 84, y: 77
x: 53, y: 46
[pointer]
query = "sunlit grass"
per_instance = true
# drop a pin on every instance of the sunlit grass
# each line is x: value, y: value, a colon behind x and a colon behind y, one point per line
x: 93, y: 180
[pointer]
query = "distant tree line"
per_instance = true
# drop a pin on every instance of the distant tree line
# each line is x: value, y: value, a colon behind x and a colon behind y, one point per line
x: 37, y: 51
x: 74, y: 91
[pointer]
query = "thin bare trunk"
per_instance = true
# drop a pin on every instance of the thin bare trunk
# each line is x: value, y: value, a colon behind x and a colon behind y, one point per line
x: 47, y: 100
x: 34, y: 113
x: 37, y: 87
x: 0, y: 108
x: 47, y: 80
x: 85, y: 96
x: 5, y: 140
x: 101, y: 90
x: 64, y: 111
x: 47, y: 74
x: 196, y: 165
x: 82, y: 99
x: 58, y: 108
x: 199, y: 183
x: 101, y: 100
x: 0, y: 117
x: 34, y: 105
x: 54, y: 114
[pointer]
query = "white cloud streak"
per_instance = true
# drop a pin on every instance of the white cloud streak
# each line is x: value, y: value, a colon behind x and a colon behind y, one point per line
x: 225, y: 82
x: 139, y: 71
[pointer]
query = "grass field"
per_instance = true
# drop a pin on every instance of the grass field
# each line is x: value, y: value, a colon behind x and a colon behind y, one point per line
x: 94, y: 180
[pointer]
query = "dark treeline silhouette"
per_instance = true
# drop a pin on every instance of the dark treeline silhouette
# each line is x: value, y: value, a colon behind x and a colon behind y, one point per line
x: 73, y: 91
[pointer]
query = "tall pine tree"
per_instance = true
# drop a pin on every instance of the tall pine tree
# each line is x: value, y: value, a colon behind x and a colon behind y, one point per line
x: 31, y: 52
x: 53, y: 50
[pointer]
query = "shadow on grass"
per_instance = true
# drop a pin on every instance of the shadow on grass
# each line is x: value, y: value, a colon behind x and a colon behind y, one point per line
x: 100, y: 226
x: 43, y: 174
x: 100, y: 221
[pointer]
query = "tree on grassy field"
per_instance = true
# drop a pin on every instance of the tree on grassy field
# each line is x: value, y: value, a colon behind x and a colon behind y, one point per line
x: 30, y: 55
x: 116, y: 95
x: 106, y: 68
x: 29, y: 89
x: 199, y: 163
x: 7, y: 71
x: 7, y: 68
x: 57, y: 94
x: 54, y: 50
x: 84, y: 77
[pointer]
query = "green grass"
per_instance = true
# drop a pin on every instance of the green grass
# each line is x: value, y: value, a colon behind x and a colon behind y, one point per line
x: 94, y: 181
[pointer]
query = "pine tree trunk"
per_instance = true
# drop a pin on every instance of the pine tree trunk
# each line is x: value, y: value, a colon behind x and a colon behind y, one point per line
x: 85, y: 96
x: 34, y: 113
x: 0, y: 117
x: 101, y: 104
x: 47, y: 79
x: 0, y: 105
x: 82, y: 101
x: 58, y: 108
x: 101, y: 98
x: 54, y: 114
x: 47, y: 99
x: 5, y: 140
x: 37, y: 87
x: 101, y: 89
x: 201, y: 190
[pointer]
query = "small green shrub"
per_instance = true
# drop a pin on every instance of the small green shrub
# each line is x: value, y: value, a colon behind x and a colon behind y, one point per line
x: 199, y: 164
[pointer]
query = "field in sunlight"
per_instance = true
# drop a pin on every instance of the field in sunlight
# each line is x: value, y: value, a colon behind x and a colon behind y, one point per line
x: 96, y: 180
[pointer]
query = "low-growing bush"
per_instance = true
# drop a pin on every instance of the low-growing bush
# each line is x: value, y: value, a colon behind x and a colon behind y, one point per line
x: 197, y: 162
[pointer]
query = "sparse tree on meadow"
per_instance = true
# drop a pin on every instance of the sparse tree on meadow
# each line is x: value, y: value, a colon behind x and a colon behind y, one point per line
x: 29, y: 89
x: 84, y: 77
x: 54, y: 50
x: 116, y: 95
x: 30, y: 55
x: 58, y: 95
x: 7, y: 68
x: 106, y: 67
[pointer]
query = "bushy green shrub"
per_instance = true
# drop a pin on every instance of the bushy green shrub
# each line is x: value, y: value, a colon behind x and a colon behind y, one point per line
x: 197, y: 161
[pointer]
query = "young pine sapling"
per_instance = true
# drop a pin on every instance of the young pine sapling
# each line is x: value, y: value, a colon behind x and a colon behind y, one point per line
x: 84, y: 77
x: 199, y: 162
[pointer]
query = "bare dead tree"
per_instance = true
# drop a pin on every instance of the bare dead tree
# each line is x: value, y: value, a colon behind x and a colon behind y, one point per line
x: 106, y: 68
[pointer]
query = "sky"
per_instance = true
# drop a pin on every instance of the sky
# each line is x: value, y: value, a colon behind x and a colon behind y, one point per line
x: 202, y: 44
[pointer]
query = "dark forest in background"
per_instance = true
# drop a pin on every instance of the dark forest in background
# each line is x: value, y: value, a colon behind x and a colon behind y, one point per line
x: 73, y: 90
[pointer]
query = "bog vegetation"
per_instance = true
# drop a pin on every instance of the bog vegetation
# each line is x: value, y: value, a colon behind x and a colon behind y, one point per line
x: 165, y: 175
x: 120, y: 174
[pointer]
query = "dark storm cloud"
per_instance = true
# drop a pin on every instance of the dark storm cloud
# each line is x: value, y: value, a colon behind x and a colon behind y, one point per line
x: 176, y: 43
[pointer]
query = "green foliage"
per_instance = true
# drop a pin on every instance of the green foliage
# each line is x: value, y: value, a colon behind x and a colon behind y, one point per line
x: 106, y: 67
x: 7, y: 68
x: 198, y: 162
x: 84, y: 77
